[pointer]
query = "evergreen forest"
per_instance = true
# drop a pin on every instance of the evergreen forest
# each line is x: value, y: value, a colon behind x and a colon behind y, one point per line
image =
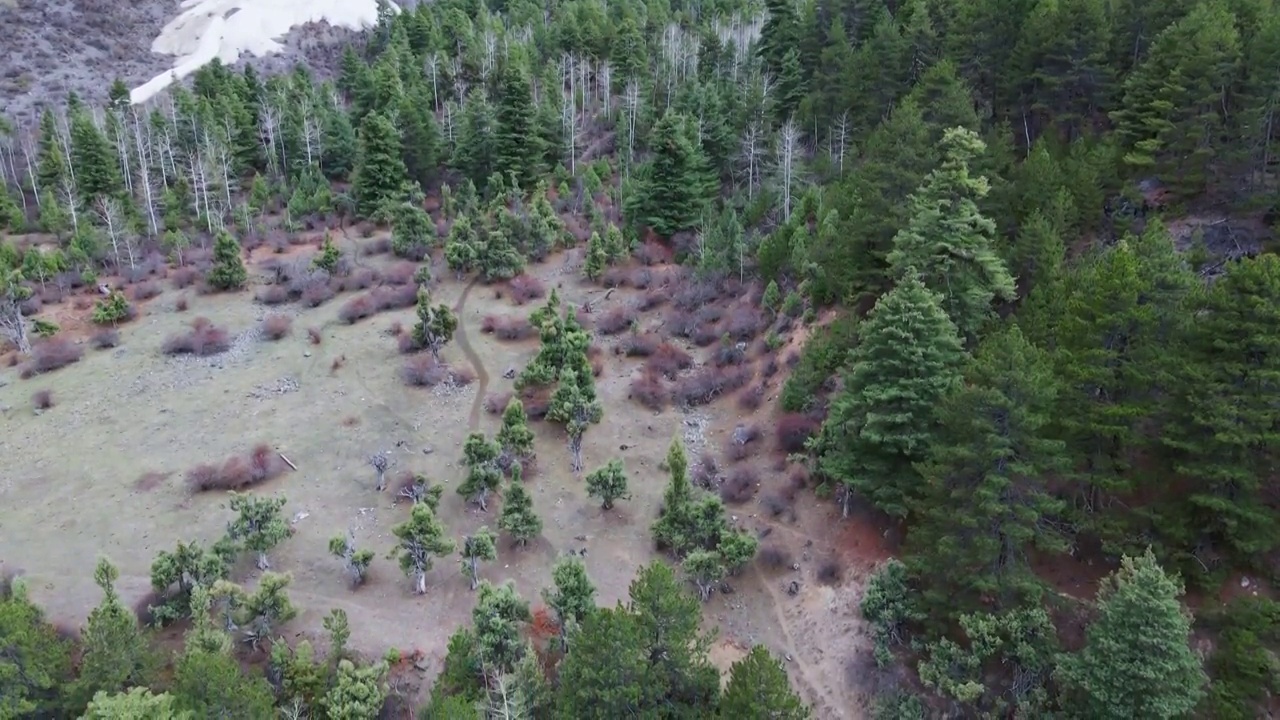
x: 1034, y: 240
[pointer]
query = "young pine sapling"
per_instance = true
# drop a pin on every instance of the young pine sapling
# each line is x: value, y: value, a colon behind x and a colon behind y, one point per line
x: 258, y: 526
x: 356, y: 561
x: 420, y: 539
x: 476, y: 547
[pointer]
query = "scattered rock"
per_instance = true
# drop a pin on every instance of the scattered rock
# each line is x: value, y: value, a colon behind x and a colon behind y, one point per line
x: 510, y: 373
x: 1244, y: 582
x: 306, y: 354
x: 580, y: 538
x: 428, y: 450
x: 793, y: 588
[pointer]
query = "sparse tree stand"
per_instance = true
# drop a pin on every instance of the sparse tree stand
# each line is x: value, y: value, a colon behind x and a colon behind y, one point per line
x: 228, y: 272
x: 480, y: 455
x: 259, y: 525
x: 608, y: 483
x: 436, y: 325
x: 575, y: 405
x: 421, y: 539
x: 518, y: 517
x: 705, y: 568
x: 478, y: 546
x: 356, y: 561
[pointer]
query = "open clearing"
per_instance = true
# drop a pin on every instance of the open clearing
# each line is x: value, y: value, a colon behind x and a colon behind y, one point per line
x: 71, y: 489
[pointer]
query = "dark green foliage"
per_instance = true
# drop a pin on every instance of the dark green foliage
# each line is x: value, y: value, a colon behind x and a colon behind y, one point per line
x: 484, y: 475
x: 516, y: 150
x: 116, y: 653
x: 380, y: 176
x: 518, y: 517
x: 758, y: 687
x: 908, y: 358
x: 436, y: 324
x: 1243, y: 665
x: 412, y: 232
x: 608, y: 483
x: 1136, y: 661
x: 228, y: 272
x: 329, y: 256
x: 671, y: 193
x: 36, y: 664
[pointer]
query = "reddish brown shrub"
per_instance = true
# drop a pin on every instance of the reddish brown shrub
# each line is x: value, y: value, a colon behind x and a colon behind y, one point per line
x: 727, y: 355
x: 793, y: 430
x: 640, y: 278
x: 667, y: 361
x: 776, y: 505
x: 525, y: 288
x: 770, y: 367
x: 181, y: 304
x: 146, y: 290
x: 793, y: 359
x: 81, y: 303
x: 706, y: 472
x: 695, y: 294
x: 653, y: 253
x: 264, y: 463
x: 376, y: 246
x: 149, y: 481
x: 395, y: 329
x: 183, y: 277
x: 751, y: 399
x: 635, y: 345
x: 616, y: 320
x: 407, y: 344
x: 272, y: 295
x: 42, y: 399
x: 49, y: 355
x: 462, y: 376
x: 316, y: 294
x: 423, y: 371
x: 31, y: 305
x: 775, y: 558
x: 614, y: 277
x: 395, y: 297
x: 741, y: 485
x: 51, y: 295
x: 105, y: 338
x: 649, y: 391
x: 595, y: 355
x: 743, y: 323
x: 337, y: 364
x: 536, y: 402
x: 361, y: 279
x: 709, y: 384
x: 202, y: 339
x: 705, y: 335
x: 401, y: 273
x: 830, y: 571
x: 650, y: 300
x: 495, y: 403
x: 508, y: 328
x: 313, y: 336
x: 276, y: 326
x: 357, y: 309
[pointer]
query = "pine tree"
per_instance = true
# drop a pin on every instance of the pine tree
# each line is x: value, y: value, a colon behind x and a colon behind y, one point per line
x: 1136, y: 662
x: 51, y: 160
x: 514, y: 437
x: 497, y: 616
x: 576, y: 406
x: 573, y: 598
x: 480, y: 455
x: 479, y: 545
x: 419, y: 540
x: 117, y: 655
x: 679, y: 677
x: 228, y: 271
x: 380, y: 176
x: 93, y: 159
x: 596, y: 260
x: 258, y: 525
x: 677, y: 501
x: 907, y: 358
x: 948, y: 242
x: 758, y: 687
x: 138, y: 702
x: 518, y: 517
x: 671, y: 192
x: 412, y: 232
x: 474, y: 153
x: 419, y: 136
x: 38, y: 664
x: 358, y: 693
x: 605, y: 674
x: 329, y: 255
x: 705, y: 568
x: 985, y: 502
x: 436, y: 324
x: 516, y: 150
x: 608, y: 483
x: 1224, y: 435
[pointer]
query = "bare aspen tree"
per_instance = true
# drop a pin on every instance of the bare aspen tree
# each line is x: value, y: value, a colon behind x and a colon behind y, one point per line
x: 450, y: 109
x: 752, y: 145
x: 840, y: 140
x: 490, y: 58
x: 113, y: 221
x: 120, y: 133
x: 631, y: 100
x: 432, y: 64
x: 787, y: 156
x: 270, y: 122
x: 64, y: 137
x: 459, y: 78
x: 12, y: 325
x: 72, y: 199
x: 144, y: 172
x: 28, y: 148
x: 311, y: 135
x: 605, y: 75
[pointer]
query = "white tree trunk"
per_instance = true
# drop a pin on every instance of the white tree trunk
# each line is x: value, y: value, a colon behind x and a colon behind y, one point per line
x: 144, y: 169
x: 788, y: 146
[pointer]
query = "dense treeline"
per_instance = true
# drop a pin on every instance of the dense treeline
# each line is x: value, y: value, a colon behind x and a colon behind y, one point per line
x: 1034, y: 367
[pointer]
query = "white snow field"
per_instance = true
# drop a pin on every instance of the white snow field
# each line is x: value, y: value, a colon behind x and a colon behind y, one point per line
x: 227, y: 28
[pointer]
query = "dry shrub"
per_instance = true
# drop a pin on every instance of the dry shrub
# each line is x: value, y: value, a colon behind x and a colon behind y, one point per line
x: 49, y: 355
x: 238, y: 472
x: 401, y: 273
x: 728, y: 355
x: 146, y: 290
x: 709, y: 384
x: 830, y: 572
x: 495, y: 403
x: 770, y: 367
x: 376, y: 246
x: 741, y: 485
x: 350, y: 421
x: 614, y: 277
x: 423, y: 371
x: 637, y: 346
x: 149, y: 481
x: 508, y: 328
x: 649, y: 391
x: 313, y: 336
x: 317, y: 294
x: 202, y: 339
x: 525, y: 288
x: 51, y: 295
x: 395, y: 329
x: 407, y: 344
x: 537, y: 401
x: 743, y: 323
x: 776, y: 505
x: 640, y: 278
x: 30, y: 306
x: 272, y: 295
x: 181, y: 304
x: 264, y: 463
x: 616, y: 320
x: 773, y: 557
x: 81, y: 303
x: 42, y: 399
x: 653, y: 253
x: 595, y: 355
x: 650, y: 300
x: 395, y: 298
x: 793, y: 430
x: 105, y: 338
x: 183, y: 277
x: 695, y: 295
x: 706, y: 471
x: 361, y: 279
x: 337, y: 364
x: 357, y: 309
x: 462, y: 377
x: 667, y: 361
x: 751, y: 399
x: 276, y: 326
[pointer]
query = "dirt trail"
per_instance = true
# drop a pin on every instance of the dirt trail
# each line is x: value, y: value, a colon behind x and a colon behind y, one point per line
x: 482, y: 374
